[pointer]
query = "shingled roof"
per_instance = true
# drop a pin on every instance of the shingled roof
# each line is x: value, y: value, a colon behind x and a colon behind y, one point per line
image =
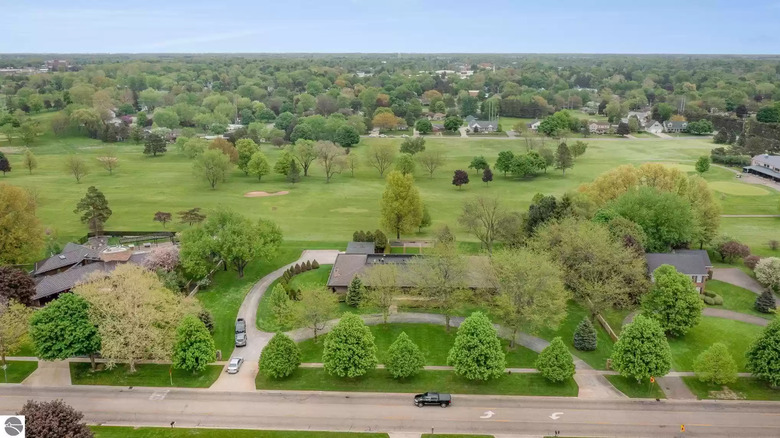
x: 63, y: 281
x: 72, y: 254
x: 688, y: 264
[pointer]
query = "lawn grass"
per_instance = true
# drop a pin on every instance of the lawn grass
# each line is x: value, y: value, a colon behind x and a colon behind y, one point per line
x: 615, y: 318
x: 575, y: 313
x: 631, y: 388
x: 167, y: 432
x: 453, y: 435
x: 736, y: 298
x: 755, y: 232
x: 146, y: 375
x: 316, y: 277
x: 317, y: 379
x: 736, y: 335
x: 18, y: 370
x: 434, y: 341
x: 748, y: 387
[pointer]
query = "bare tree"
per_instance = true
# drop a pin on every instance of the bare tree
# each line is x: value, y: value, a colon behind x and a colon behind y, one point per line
x: 332, y: 157
x: 381, y: 281
x: 109, y: 159
x: 482, y: 217
x: 316, y: 307
x: 430, y: 160
x: 381, y: 157
x: 76, y: 166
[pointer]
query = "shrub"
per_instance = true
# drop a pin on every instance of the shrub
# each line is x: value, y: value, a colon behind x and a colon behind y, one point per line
x: 315, y: 265
x: 708, y: 300
x: 297, y: 269
x: 766, y: 303
x: 768, y: 273
x: 308, y: 265
x: 380, y: 241
x: 280, y: 358
x: 718, y: 300
x: 773, y: 245
x: 715, y: 365
x: 404, y: 358
x: 208, y: 320
x: 751, y: 261
x: 555, y: 362
x: 585, y: 337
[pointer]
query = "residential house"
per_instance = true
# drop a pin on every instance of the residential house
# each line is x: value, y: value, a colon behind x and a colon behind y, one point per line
x: 694, y: 263
x: 765, y: 166
x: 598, y: 127
x: 643, y: 117
x: 670, y: 126
x: 654, y: 127
x: 534, y: 126
x: 474, y: 93
x: 438, y: 116
x: 483, y: 126
x: 438, y: 127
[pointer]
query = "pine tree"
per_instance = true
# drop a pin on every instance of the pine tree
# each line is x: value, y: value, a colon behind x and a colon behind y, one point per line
x: 315, y: 264
x: 355, y: 292
x: 555, y: 362
x: 585, y: 337
x: 477, y: 353
x: 563, y: 158
x: 349, y: 349
x: 293, y: 174
x: 280, y: 358
x: 766, y: 303
x: 308, y: 265
x: 404, y: 358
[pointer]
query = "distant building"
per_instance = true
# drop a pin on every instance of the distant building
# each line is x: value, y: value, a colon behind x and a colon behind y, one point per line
x: 765, y: 166
x: 598, y: 127
x: 654, y: 127
x: 677, y: 126
x: 694, y: 263
x: 57, y: 65
x: 483, y: 126
x: 534, y: 126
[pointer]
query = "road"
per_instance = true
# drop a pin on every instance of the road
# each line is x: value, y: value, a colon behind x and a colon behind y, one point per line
x: 395, y: 413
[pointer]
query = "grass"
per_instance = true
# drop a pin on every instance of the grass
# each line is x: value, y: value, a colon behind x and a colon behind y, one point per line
x: 575, y: 313
x: 755, y: 232
x: 166, y: 432
x: 453, y: 435
x: 18, y: 370
x: 615, y: 317
x: 146, y: 375
x: 736, y: 298
x: 747, y: 387
x: 736, y: 335
x: 317, y: 379
x: 631, y: 388
x: 434, y: 341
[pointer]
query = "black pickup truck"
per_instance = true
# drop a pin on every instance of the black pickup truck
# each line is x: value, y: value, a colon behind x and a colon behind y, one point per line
x: 432, y: 398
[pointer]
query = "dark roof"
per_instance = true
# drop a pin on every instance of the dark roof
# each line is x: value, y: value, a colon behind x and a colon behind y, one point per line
x: 763, y: 170
x: 482, y: 124
x: 345, y: 268
x: 72, y: 254
x: 688, y: 264
x: 63, y: 281
x: 360, y: 248
x: 705, y: 256
x: 772, y: 160
x: 676, y: 124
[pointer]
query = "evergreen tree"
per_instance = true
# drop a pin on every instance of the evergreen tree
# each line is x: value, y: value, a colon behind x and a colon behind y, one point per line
x: 94, y: 209
x: 555, y: 362
x: 585, y: 337
x: 194, y: 348
x: 766, y: 303
x: 642, y: 351
x: 477, y: 353
x: 349, y: 349
x: 715, y: 365
x: 404, y: 358
x: 355, y: 292
x: 293, y: 174
x: 763, y: 357
x: 280, y: 358
x: 563, y: 158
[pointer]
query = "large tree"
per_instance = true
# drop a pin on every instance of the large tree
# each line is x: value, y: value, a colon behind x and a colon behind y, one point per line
x: 258, y: 165
x: 563, y: 158
x: 280, y: 358
x: 14, y: 324
x: 5, y: 165
x: 21, y: 233
x: 381, y: 281
x: 442, y: 277
x: 94, y: 209
x: 305, y: 152
x: 135, y: 313
x: 477, y: 353
x: 155, y: 144
x: 15, y: 284
x: 349, y: 349
x: 666, y: 218
x: 315, y: 308
x: 529, y: 290
x: 482, y: 216
x: 715, y: 365
x: 246, y: 148
x: 642, y: 351
x: 381, y: 156
x: 213, y: 166
x: 63, y: 329
x: 673, y: 301
x: 401, y: 207
x: 332, y: 158
x: 48, y: 419
x: 763, y: 357
x: 346, y: 136
x: 768, y: 273
x: 194, y: 348
x: 413, y: 145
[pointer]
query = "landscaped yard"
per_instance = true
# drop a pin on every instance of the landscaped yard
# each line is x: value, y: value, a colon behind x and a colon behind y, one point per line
x: 145, y: 375
x: 167, y: 432
x: 631, y: 388
x: 755, y: 232
x: 317, y: 379
x: 433, y: 340
x: 745, y: 387
x: 18, y: 370
x: 735, y: 334
x: 736, y: 298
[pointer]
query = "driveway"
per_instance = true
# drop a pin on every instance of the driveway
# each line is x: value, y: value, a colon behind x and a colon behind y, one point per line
x: 462, y: 130
x: 737, y: 277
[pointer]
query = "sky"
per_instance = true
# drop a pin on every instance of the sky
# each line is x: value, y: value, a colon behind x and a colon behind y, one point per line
x: 388, y: 26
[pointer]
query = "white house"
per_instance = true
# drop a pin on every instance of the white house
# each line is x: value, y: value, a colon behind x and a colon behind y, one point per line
x: 483, y: 125
x: 654, y: 127
x: 670, y: 126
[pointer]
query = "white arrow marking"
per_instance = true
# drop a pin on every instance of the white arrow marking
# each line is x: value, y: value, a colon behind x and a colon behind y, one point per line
x: 556, y: 415
x: 488, y: 414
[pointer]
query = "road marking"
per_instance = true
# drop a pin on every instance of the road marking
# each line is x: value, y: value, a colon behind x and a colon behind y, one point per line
x: 159, y: 395
x: 487, y: 414
x: 556, y: 415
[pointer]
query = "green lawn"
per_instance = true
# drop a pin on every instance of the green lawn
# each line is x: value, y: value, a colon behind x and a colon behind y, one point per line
x: 316, y: 379
x: 755, y: 232
x: 434, y: 341
x: 315, y: 277
x: 145, y: 375
x: 166, y: 432
x: 615, y: 318
x: 453, y: 435
x: 748, y: 388
x: 18, y: 370
x: 736, y: 298
x: 575, y: 313
x: 735, y: 334
x: 629, y: 387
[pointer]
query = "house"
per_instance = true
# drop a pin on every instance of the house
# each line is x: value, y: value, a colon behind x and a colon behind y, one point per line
x: 438, y: 116
x: 694, y: 263
x: 360, y: 248
x: 642, y: 116
x: 62, y: 272
x: 534, y: 126
x: 670, y: 126
x: 765, y: 166
x: 598, y: 127
x: 474, y: 93
x: 483, y: 126
x: 437, y: 127
x: 654, y: 127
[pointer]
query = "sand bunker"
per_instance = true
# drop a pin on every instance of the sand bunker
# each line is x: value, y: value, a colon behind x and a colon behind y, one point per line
x: 264, y: 194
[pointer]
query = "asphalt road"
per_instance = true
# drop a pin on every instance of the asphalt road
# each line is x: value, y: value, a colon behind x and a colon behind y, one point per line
x: 395, y: 412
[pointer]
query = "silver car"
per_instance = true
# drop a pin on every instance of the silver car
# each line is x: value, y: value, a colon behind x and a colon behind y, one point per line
x: 235, y: 365
x: 241, y: 339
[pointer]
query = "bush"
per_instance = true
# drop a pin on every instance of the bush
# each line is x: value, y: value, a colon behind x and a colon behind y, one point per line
x: 297, y: 269
x: 715, y: 365
x: 555, y: 362
x: 477, y: 353
x: 404, y: 358
x: 708, y: 300
x: 768, y: 273
x: 380, y: 241
x: 766, y: 303
x: 709, y: 294
x: 308, y: 265
x: 585, y: 337
x: 751, y: 261
x: 280, y: 358
x: 208, y: 320
x: 315, y: 265
x: 718, y: 300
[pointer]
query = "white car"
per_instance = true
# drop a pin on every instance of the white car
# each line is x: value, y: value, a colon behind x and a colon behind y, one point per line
x: 235, y: 365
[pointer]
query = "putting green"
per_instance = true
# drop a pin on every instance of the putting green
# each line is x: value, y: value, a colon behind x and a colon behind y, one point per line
x: 687, y: 168
x: 739, y: 189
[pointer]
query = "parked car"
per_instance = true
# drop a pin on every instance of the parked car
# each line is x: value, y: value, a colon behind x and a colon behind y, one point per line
x: 240, y: 325
x: 432, y: 398
x: 234, y: 365
x: 241, y: 339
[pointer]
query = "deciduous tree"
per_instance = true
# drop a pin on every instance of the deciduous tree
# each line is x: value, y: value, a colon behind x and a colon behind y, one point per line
x: 226, y: 147
x: 423, y: 126
x: 191, y: 216
x: 293, y: 174
x: 5, y: 165
x: 715, y: 365
x: 304, y: 152
x: 281, y: 305
x: 29, y: 161
x: 258, y: 165
x: 76, y: 166
x: 53, y: 419
x: 401, y: 207
x: 555, y: 362
x: 21, y: 239
x: 563, y: 158
x: 479, y: 164
x: 162, y: 217
x: 94, y: 209
x: 213, y: 166
x: 347, y: 136
x: 665, y: 217
x: 316, y: 306
x: 194, y: 348
x: 15, y: 284
x: 441, y: 276
x: 246, y: 148
x: 477, y: 353
x: 459, y: 178
x: 109, y: 160
x: 405, y: 164
x: 642, y: 351
x: 280, y: 358
x: 404, y: 358
x: 381, y: 156
x: 381, y: 287
x: 349, y: 349
x: 673, y: 301
x: 155, y: 144
x: 430, y: 160
x: 703, y: 164
x: 482, y: 217
x: 14, y: 323
x: 768, y: 273
x: 763, y: 356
